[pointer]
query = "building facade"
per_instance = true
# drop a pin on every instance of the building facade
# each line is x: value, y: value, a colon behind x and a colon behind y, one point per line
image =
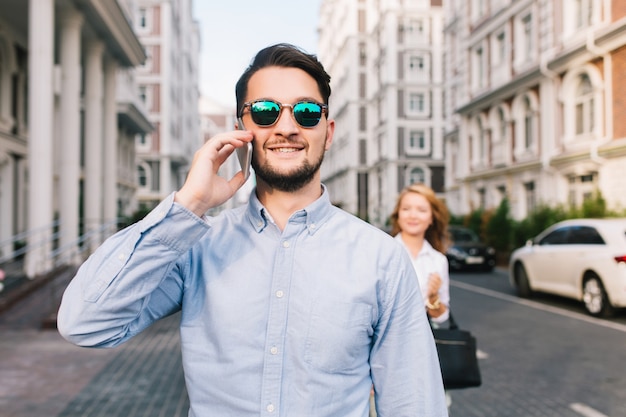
x: 533, y: 103
x: 168, y: 82
x: 67, y: 124
x: 385, y: 60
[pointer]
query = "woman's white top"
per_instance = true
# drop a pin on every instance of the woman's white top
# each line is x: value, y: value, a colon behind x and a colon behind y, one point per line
x: 427, y: 261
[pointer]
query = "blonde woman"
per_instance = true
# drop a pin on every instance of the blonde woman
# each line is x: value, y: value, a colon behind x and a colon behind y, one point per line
x: 420, y: 222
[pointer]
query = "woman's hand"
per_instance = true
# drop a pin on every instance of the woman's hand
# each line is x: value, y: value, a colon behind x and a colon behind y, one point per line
x: 434, y: 283
x: 204, y: 188
x: 434, y: 306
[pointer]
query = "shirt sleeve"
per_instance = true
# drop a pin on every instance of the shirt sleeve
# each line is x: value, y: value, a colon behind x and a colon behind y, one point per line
x: 133, y: 279
x: 403, y: 359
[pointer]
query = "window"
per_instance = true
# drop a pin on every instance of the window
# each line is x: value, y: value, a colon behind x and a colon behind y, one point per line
x: 500, y: 48
x: 501, y: 125
x: 362, y: 54
x: 529, y: 116
x: 142, y: 176
x: 417, y: 68
x: 582, y: 187
x: 527, y: 23
x: 416, y: 175
x: 584, y: 13
x: 417, y: 103
x: 479, y: 68
x: 584, y: 106
x: 525, y: 46
x: 482, y: 198
x: 525, y: 114
x: 417, y: 139
x: 531, y: 197
x: 556, y: 237
x: 584, y: 235
x: 142, y: 93
x: 482, y: 142
x: 143, y: 19
x: 417, y: 142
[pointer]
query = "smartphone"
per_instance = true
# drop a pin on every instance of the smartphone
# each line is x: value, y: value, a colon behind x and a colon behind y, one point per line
x: 244, y: 153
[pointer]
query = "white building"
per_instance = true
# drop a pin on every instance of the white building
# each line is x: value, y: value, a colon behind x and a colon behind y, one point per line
x: 68, y: 117
x: 169, y: 86
x: 385, y: 60
x: 534, y: 103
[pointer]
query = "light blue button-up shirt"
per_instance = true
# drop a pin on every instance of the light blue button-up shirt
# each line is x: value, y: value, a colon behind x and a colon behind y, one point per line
x: 293, y: 323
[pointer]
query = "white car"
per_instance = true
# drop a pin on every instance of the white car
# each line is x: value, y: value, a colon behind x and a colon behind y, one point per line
x: 583, y: 259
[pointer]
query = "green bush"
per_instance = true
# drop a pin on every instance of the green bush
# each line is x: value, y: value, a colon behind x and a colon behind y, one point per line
x: 499, y: 228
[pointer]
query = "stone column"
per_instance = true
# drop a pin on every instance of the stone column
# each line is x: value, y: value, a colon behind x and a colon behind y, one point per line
x: 7, y: 205
x: 69, y: 163
x: 40, y: 152
x: 110, y: 196
x: 94, y: 85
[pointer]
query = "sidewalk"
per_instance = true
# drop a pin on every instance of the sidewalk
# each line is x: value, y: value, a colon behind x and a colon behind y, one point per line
x: 44, y: 376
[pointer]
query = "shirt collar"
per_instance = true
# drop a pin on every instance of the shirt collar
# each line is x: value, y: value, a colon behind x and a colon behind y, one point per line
x: 427, y: 248
x: 313, y: 215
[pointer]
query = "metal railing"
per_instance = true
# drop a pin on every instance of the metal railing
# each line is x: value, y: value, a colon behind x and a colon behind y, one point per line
x: 17, y: 247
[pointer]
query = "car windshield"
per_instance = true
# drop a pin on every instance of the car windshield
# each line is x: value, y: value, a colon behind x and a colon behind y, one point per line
x: 463, y: 235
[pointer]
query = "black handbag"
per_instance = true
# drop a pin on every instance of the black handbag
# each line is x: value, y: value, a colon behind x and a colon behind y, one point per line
x: 457, y: 356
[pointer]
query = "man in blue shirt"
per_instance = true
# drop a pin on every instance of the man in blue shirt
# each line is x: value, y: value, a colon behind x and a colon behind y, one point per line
x: 290, y: 306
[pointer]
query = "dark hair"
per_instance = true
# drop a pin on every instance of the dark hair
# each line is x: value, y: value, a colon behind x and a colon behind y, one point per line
x: 283, y: 55
x: 437, y: 233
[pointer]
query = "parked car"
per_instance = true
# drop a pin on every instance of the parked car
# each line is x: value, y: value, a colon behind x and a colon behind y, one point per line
x: 466, y: 251
x: 583, y: 259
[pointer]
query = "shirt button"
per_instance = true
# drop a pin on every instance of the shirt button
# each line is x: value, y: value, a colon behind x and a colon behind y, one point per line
x: 285, y: 244
x: 280, y: 294
x: 274, y: 350
x: 259, y: 224
x: 121, y: 256
x: 270, y: 408
x: 312, y: 226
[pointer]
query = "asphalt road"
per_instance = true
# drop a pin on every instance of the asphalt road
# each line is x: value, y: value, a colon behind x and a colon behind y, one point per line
x: 539, y: 357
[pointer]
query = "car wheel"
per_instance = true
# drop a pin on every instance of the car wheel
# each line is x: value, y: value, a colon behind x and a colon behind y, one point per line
x: 522, y: 285
x: 595, y: 297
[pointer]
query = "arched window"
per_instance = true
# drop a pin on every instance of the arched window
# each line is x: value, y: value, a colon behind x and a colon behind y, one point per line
x: 525, y: 114
x: 584, y: 106
x: 529, y: 123
x: 416, y: 175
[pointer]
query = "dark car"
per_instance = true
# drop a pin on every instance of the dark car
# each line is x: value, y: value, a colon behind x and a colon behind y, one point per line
x: 466, y: 251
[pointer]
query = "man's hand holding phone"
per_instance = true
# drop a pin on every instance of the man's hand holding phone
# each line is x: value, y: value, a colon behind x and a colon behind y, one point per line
x: 204, y: 188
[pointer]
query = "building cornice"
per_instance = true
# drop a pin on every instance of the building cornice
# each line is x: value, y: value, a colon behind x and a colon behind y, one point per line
x: 108, y: 20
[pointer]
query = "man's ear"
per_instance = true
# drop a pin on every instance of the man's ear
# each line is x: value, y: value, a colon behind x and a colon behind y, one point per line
x: 330, y: 131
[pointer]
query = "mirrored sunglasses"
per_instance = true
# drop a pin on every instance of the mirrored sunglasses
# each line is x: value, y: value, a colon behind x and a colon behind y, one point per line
x: 266, y: 112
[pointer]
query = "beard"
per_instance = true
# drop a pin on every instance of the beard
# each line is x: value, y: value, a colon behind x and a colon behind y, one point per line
x: 289, y: 181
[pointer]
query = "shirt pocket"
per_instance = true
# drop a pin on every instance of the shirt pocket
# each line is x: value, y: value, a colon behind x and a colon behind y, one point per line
x: 339, y: 336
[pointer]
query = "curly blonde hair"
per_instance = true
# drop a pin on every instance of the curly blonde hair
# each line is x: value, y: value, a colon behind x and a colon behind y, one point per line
x: 437, y: 233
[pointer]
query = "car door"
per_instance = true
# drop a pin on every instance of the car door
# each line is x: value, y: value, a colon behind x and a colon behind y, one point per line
x: 586, y: 248
x: 548, y: 264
